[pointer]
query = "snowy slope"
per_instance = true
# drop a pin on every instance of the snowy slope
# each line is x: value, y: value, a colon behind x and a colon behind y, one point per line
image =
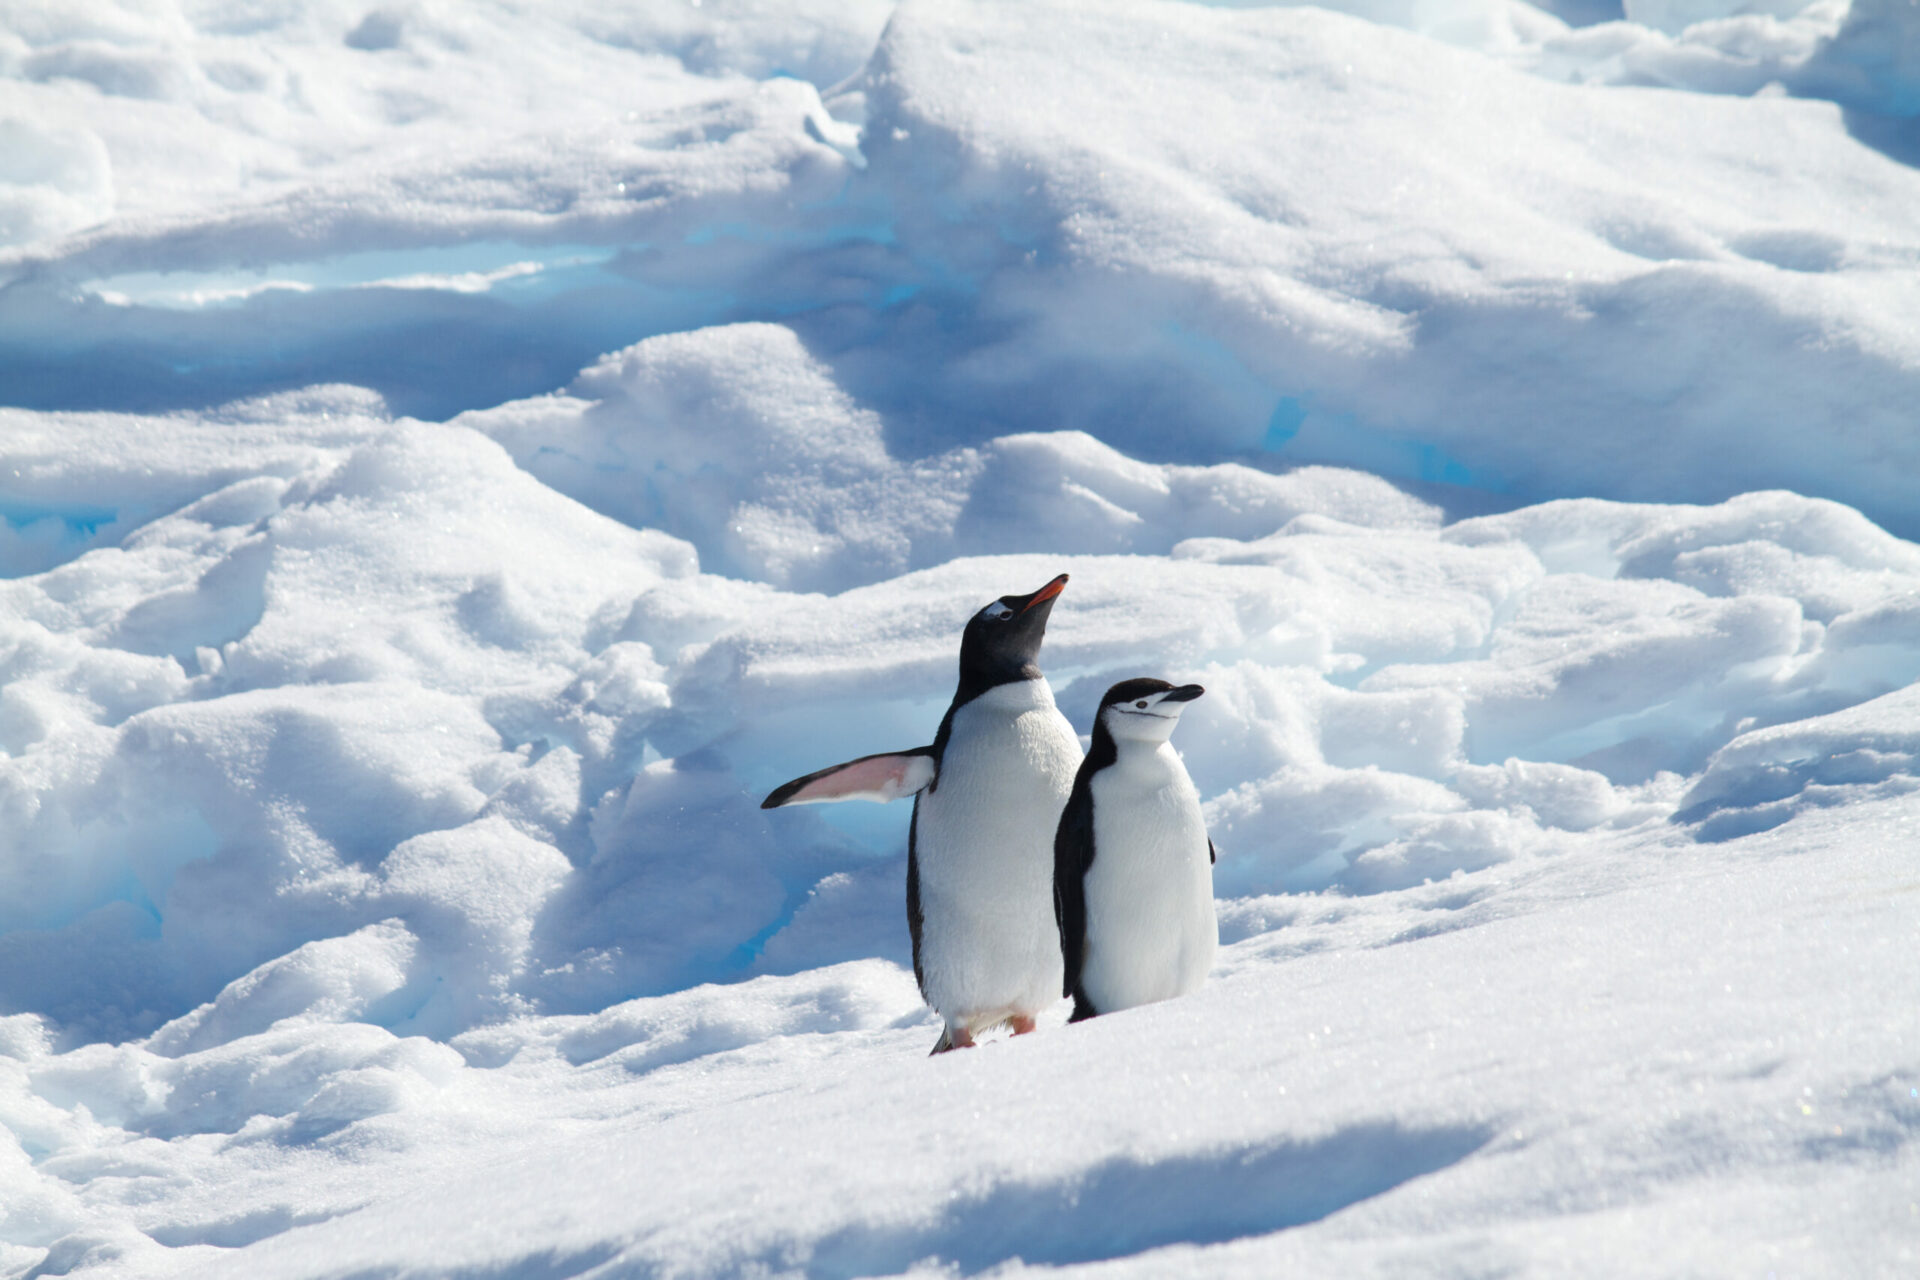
x: 455, y: 459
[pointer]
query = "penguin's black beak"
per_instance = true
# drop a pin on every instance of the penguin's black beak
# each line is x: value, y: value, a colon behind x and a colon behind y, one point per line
x: 1185, y: 693
x: 1045, y: 593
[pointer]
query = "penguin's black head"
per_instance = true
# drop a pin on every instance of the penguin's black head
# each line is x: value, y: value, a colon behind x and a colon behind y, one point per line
x: 1144, y: 710
x: 1002, y: 641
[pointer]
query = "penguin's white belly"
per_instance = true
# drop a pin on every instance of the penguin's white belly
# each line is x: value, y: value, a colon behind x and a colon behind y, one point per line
x: 989, y: 944
x: 1151, y: 932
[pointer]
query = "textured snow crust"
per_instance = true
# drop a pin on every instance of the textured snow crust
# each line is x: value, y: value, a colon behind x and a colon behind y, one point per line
x: 1501, y: 280
x: 454, y: 460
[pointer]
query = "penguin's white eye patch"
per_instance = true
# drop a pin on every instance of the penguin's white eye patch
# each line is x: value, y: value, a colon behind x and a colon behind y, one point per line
x: 996, y: 611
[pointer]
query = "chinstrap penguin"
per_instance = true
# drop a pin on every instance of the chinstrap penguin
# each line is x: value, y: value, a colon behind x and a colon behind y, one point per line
x: 987, y: 798
x: 1133, y: 866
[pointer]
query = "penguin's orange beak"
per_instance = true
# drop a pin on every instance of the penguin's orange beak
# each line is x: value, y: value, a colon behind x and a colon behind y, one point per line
x: 1047, y: 592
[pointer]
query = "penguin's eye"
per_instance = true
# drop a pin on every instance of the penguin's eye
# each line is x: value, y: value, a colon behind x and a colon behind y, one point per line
x: 1142, y: 704
x: 997, y: 611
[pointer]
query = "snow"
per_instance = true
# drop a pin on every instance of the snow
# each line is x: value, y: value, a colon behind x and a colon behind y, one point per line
x: 455, y: 460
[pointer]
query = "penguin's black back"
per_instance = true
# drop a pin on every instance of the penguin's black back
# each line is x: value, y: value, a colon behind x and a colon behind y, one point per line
x: 1073, y: 854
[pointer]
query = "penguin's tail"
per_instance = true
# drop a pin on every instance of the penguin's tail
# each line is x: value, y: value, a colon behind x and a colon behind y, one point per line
x: 952, y: 1037
x: 1082, y: 1008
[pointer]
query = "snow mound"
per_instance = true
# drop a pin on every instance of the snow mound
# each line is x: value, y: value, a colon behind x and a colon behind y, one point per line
x: 52, y: 181
x: 201, y: 104
x: 740, y: 441
x: 1763, y: 777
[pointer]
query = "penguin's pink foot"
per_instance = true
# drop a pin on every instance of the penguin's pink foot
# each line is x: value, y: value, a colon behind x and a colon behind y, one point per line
x: 953, y: 1038
x: 1021, y: 1025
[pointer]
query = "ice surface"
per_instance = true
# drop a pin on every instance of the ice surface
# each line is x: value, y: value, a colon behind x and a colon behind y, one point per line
x: 454, y: 460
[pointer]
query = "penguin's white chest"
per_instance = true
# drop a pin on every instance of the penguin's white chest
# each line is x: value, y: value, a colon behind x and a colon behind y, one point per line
x: 989, y: 945
x: 1151, y: 932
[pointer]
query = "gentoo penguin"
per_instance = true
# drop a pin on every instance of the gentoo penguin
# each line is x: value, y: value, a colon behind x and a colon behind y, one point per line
x: 987, y: 797
x: 1132, y: 864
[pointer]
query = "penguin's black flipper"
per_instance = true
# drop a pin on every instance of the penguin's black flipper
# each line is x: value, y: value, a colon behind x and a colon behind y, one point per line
x: 1072, y: 855
x: 916, y: 919
x: 883, y: 777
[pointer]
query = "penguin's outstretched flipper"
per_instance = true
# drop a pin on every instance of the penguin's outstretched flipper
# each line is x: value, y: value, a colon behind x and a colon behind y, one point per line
x: 879, y: 778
